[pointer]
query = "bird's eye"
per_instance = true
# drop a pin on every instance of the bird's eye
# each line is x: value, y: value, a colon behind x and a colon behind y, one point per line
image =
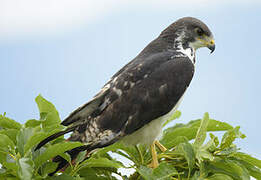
x: 199, y: 31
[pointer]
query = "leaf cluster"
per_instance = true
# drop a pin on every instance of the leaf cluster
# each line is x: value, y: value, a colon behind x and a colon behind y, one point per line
x: 194, y: 152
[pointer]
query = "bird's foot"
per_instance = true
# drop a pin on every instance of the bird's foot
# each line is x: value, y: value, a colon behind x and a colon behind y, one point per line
x: 154, y: 162
x: 160, y: 146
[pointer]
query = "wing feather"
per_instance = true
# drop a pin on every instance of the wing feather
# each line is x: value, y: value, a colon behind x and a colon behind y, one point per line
x: 86, y: 109
x: 150, y: 88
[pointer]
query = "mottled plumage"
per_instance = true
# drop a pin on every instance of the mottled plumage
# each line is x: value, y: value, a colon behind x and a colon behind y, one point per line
x: 138, y: 98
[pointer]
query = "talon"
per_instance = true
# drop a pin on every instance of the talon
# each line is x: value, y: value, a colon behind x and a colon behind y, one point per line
x: 160, y: 146
x: 154, y: 163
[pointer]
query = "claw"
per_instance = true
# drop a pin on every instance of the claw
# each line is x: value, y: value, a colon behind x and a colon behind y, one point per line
x: 160, y: 146
x: 154, y: 163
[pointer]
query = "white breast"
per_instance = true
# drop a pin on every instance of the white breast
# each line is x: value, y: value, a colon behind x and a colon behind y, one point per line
x: 150, y: 132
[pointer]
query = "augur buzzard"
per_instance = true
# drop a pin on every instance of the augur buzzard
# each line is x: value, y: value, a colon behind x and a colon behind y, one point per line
x: 136, y: 101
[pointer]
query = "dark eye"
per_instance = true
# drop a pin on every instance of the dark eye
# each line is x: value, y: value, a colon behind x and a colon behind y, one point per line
x: 199, y: 31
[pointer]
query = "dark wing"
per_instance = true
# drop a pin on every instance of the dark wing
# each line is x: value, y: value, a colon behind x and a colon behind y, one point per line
x: 86, y: 109
x: 147, y: 89
x: 142, y: 91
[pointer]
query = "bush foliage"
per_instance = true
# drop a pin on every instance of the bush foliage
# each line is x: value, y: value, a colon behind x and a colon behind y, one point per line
x: 193, y: 152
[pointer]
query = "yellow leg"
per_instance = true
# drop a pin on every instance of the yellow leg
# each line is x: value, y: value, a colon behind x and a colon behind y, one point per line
x: 154, y: 163
x: 162, y: 148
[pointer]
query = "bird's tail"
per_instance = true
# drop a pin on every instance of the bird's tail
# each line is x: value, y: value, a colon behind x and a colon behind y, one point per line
x: 106, y: 140
x: 54, y: 136
x: 62, y: 163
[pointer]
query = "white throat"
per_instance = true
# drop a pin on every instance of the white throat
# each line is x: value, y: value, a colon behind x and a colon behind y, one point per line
x: 187, y: 52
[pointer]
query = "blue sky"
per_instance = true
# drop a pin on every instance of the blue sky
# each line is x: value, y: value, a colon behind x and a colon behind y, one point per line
x: 66, y: 51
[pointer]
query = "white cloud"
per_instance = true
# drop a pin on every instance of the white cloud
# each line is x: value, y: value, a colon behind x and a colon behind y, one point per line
x: 45, y: 16
x: 20, y: 17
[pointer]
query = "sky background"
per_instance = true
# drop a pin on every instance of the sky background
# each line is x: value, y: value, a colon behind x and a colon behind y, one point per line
x: 66, y: 50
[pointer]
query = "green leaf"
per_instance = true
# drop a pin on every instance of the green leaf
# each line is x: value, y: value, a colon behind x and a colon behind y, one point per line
x: 229, y: 137
x: 129, y: 152
x: 164, y: 171
x: 248, y: 158
x: 214, y: 140
x: 22, y: 137
x: 36, y: 138
x: 189, y: 131
x: 201, y: 134
x: 228, y: 151
x: 103, y: 151
x: 183, y: 160
x: 65, y: 177
x: 174, y: 116
x: 11, y: 133
x: 25, y: 170
x: 219, y: 177
x: 5, y: 142
x: 172, y: 142
x: 253, y: 170
x: 202, y: 154
x: 32, y: 123
x: 214, y: 125
x: 132, y: 154
x: 48, y: 168
x: 228, y: 167
x: 47, y: 123
x: 55, y: 150
x: 196, y: 176
x: 49, y: 115
x: 145, y: 172
x: 203, y: 171
x: 80, y: 157
x: 9, y: 123
x: 170, y: 134
x: 187, y: 150
x: 2, y: 171
x: 11, y: 166
x: 212, y: 144
x: 100, y: 162
x: 90, y: 173
x: 3, y: 155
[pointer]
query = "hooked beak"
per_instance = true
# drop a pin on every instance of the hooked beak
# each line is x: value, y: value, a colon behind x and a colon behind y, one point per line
x: 207, y: 42
x: 211, y: 46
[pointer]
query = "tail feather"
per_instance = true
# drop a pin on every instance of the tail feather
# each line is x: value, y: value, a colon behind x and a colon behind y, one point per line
x: 62, y: 163
x: 108, y: 138
x: 54, y: 136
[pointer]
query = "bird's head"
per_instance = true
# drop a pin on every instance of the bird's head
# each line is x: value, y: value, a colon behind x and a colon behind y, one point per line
x: 191, y: 32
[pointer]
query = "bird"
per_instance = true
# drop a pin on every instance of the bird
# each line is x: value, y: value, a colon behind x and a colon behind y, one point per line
x: 133, y: 105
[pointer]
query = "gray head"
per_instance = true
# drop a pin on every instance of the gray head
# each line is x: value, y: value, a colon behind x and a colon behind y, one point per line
x: 191, y: 33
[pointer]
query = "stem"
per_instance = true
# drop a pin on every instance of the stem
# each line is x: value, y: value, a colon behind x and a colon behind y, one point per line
x: 141, y: 157
x: 12, y: 156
